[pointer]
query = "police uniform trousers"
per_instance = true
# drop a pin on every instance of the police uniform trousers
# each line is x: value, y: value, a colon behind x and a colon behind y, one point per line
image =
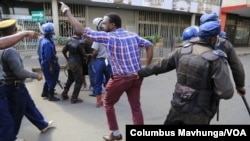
x: 50, y: 78
x: 6, y: 120
x: 20, y: 104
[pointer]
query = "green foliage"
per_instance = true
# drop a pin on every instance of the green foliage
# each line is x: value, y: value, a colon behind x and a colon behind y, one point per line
x: 61, y: 40
x: 153, y: 38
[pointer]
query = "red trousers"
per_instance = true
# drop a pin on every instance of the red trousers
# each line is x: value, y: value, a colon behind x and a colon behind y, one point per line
x: 116, y: 86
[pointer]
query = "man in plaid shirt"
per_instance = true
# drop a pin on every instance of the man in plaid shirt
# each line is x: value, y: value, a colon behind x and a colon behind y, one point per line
x: 123, y: 50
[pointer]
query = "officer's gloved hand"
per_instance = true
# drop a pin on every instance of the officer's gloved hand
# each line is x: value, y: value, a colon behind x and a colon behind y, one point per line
x: 64, y: 7
x: 241, y: 90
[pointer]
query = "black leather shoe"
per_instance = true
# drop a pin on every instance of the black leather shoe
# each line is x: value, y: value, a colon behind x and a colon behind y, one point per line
x: 45, y: 94
x: 111, y: 137
x: 53, y: 98
x: 74, y: 101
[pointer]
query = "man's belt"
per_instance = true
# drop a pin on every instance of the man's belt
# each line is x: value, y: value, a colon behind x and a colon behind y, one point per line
x: 13, y: 82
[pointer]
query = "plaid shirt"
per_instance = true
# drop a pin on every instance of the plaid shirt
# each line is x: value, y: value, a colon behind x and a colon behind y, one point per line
x: 123, y: 49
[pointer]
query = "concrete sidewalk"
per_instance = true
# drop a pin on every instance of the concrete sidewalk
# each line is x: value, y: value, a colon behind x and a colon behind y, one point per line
x: 242, y: 51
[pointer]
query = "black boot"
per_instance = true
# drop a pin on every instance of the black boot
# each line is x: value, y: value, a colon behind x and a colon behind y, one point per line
x: 45, y: 93
x: 75, y: 99
x: 52, y: 96
x: 65, y: 94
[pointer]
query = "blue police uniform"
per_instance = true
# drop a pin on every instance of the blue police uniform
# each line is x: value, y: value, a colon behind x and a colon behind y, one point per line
x: 6, y: 122
x: 49, y: 61
x: 19, y: 99
x: 16, y: 93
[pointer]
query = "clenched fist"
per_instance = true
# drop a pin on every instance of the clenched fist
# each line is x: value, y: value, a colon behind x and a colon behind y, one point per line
x: 40, y: 77
x: 241, y: 90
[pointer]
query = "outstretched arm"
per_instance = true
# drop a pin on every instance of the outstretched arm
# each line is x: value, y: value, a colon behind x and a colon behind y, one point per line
x: 73, y: 21
x: 149, y: 51
x: 11, y: 40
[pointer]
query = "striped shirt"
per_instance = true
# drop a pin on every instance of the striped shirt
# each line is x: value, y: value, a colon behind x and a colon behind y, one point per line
x: 122, y: 47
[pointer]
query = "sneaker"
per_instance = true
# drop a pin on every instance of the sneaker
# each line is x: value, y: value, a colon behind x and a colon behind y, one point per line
x: 84, y: 87
x: 20, y: 140
x: 49, y: 126
x: 111, y: 137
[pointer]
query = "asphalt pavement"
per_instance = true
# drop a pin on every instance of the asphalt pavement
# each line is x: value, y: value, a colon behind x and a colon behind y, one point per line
x: 83, y: 121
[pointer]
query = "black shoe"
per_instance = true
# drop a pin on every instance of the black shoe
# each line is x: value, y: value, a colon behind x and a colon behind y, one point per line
x: 53, y: 98
x: 78, y: 100
x: 45, y: 95
x: 65, y: 97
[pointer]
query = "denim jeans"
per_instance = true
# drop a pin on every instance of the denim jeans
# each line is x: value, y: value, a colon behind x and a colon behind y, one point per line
x: 102, y: 75
x: 91, y: 72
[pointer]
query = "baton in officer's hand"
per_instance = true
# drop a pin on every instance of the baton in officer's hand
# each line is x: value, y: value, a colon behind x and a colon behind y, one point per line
x: 246, y: 104
x: 60, y: 84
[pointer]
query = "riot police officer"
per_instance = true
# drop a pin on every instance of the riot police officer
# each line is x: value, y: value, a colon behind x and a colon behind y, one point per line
x: 49, y: 62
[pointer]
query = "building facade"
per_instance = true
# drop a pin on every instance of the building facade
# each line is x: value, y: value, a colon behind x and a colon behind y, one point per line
x: 166, y: 18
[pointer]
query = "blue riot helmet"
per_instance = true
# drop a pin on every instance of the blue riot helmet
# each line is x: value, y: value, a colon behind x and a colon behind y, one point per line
x: 209, y: 32
x: 208, y: 17
x: 190, y: 32
x: 48, y: 28
x: 209, y: 29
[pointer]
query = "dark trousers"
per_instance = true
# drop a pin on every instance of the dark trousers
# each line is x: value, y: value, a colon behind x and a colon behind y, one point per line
x: 6, y: 121
x: 20, y: 104
x: 75, y: 74
x: 50, y: 78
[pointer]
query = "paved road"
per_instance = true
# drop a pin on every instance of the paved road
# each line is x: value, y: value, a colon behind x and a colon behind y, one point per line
x: 78, y: 122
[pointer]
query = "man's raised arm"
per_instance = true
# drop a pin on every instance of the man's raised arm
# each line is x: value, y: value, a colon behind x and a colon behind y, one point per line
x: 73, y: 21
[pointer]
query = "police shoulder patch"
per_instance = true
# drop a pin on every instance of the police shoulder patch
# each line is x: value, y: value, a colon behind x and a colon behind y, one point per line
x: 220, y: 53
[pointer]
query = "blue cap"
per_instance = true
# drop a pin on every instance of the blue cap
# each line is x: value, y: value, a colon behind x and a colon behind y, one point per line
x: 208, y: 17
x: 190, y: 32
x: 209, y: 29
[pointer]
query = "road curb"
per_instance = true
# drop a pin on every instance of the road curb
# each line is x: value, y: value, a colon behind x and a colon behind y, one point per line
x: 38, y: 68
